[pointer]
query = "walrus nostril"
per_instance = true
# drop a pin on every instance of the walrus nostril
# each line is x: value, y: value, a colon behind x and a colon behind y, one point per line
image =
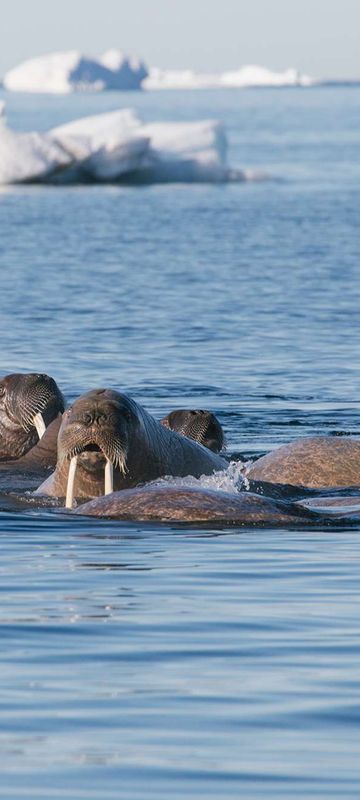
x: 100, y: 417
x: 95, y: 417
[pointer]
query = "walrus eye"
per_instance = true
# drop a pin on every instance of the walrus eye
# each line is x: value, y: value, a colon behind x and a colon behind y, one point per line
x: 2, y: 390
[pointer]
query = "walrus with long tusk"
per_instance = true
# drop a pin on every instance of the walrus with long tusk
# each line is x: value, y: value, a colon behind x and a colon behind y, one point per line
x: 29, y: 404
x: 107, y: 441
x: 317, y: 462
x: 202, y: 426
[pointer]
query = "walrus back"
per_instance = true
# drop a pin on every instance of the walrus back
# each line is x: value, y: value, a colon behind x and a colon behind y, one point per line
x: 170, y: 453
x: 187, y: 504
x: 314, y: 462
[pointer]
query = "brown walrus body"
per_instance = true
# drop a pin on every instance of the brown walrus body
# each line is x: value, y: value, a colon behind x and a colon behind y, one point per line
x: 202, y: 426
x: 317, y: 462
x: 104, y: 427
x: 187, y: 504
x: 26, y: 472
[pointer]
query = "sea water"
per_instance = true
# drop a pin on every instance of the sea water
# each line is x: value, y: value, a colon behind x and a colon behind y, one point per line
x: 147, y: 661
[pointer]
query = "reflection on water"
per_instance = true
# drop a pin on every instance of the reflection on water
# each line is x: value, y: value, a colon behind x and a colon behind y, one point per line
x: 169, y: 656
x: 151, y: 661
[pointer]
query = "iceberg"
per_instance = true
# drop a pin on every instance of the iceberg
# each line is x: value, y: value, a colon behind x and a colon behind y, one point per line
x: 180, y: 79
x: 29, y: 157
x: 70, y: 71
x: 104, y: 147
x: 129, y: 70
x: 260, y: 76
x: 117, y: 146
x: 185, y: 151
x: 247, y: 76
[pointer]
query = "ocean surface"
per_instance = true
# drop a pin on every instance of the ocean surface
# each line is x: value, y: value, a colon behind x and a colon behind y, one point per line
x: 144, y: 661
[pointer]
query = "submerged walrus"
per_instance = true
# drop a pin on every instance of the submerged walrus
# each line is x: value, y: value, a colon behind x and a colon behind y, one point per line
x: 174, y: 504
x: 202, y: 426
x: 317, y: 462
x: 107, y: 433
x: 29, y: 403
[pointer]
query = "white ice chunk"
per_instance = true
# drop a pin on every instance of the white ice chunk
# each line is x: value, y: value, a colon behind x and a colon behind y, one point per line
x: 71, y: 71
x: 188, y: 151
x: 246, y: 76
x: 29, y: 156
x: 253, y: 75
x: 106, y: 146
x: 114, y: 145
x: 125, y: 68
x: 179, y: 79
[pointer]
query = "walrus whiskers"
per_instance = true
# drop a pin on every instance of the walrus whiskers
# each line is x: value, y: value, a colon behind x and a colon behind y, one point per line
x: 109, y: 477
x: 70, y: 483
x: 39, y: 424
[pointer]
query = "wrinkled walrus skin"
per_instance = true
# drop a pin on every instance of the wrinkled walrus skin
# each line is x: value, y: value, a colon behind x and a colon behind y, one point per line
x: 174, y: 504
x: 317, y: 462
x: 106, y: 425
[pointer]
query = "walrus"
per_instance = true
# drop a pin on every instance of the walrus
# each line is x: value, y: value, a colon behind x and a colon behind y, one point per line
x: 29, y: 403
x: 187, y: 504
x: 202, y: 426
x: 317, y: 462
x: 107, y: 441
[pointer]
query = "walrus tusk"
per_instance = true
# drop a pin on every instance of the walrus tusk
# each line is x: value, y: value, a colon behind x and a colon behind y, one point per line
x: 70, y: 483
x: 39, y: 424
x: 109, y: 477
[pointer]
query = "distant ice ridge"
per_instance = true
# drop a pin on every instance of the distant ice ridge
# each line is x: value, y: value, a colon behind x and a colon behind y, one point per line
x: 244, y: 77
x: 117, y: 146
x: 70, y: 71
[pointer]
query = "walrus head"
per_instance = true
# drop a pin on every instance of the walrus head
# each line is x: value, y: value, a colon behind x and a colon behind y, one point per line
x: 28, y: 403
x: 202, y: 426
x: 95, y: 435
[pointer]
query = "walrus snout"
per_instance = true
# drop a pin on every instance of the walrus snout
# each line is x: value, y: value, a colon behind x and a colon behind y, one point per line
x: 94, y: 435
x: 95, y: 428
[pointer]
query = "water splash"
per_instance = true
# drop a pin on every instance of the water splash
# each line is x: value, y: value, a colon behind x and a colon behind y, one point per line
x: 228, y: 480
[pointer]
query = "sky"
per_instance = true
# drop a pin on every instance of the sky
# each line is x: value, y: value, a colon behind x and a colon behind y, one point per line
x: 318, y: 37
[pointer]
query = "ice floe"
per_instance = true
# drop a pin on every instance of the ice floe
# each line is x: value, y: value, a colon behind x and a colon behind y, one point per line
x: 72, y: 71
x: 118, y: 146
x: 247, y: 76
x: 29, y: 156
x: 104, y: 147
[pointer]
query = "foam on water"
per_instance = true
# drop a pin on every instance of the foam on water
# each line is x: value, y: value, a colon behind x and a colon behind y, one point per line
x: 228, y: 480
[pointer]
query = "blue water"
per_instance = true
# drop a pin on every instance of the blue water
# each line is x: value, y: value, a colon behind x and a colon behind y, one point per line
x: 154, y: 662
